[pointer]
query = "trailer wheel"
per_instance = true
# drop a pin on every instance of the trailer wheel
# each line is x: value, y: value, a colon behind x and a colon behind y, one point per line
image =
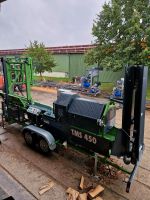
x: 43, y: 145
x: 127, y: 160
x: 28, y: 138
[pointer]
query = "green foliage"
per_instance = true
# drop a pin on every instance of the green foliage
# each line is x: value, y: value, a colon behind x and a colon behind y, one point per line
x: 90, y: 57
x: 122, y: 32
x: 42, y: 59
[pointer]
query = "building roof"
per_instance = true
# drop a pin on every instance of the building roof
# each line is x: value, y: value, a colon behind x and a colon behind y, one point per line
x: 76, y: 49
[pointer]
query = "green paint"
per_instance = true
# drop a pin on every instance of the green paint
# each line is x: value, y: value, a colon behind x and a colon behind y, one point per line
x: 19, y: 72
x: 111, y: 135
x: 62, y: 63
x: 110, y: 76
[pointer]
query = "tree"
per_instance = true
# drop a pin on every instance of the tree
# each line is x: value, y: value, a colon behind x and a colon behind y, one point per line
x: 122, y: 32
x: 42, y: 59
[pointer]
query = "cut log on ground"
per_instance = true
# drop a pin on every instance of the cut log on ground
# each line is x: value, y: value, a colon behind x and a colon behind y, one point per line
x: 69, y: 197
x: 95, y: 192
x: 46, y: 187
x: 72, y: 193
x: 98, y: 198
x: 82, y: 196
x: 81, y: 186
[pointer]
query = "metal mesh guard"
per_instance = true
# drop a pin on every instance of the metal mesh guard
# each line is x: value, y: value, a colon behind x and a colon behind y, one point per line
x: 64, y: 99
x: 86, y: 108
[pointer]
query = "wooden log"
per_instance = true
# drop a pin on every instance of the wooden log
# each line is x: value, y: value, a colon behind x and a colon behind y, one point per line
x: 81, y: 186
x: 69, y: 197
x: 74, y: 193
x: 98, y: 198
x: 92, y: 194
x: 82, y: 196
x: 46, y: 187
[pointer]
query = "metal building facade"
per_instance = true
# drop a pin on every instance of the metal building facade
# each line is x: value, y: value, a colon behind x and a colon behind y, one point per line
x: 69, y: 61
x: 74, y: 65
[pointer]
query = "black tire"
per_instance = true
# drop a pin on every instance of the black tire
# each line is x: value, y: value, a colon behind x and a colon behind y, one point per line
x: 127, y: 160
x: 28, y: 136
x: 43, y: 146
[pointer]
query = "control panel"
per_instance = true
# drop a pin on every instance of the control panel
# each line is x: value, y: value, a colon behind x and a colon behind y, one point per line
x: 33, y: 110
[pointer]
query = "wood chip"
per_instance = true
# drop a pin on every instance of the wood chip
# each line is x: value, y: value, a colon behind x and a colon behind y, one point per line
x: 82, y: 196
x: 69, y: 197
x: 74, y: 193
x: 98, y: 198
x: 46, y: 187
x: 96, y: 191
x: 81, y: 183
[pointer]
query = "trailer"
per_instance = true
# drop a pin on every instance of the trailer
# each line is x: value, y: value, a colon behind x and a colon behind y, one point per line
x: 81, y: 122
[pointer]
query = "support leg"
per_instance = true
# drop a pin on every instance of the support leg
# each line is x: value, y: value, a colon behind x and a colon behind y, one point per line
x: 95, y: 163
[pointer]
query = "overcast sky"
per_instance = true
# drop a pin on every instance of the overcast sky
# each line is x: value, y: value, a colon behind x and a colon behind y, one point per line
x: 53, y: 22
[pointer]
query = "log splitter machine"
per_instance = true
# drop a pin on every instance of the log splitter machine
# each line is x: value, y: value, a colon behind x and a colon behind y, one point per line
x: 81, y: 122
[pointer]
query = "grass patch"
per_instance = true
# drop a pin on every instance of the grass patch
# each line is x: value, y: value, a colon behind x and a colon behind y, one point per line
x: 55, y: 79
x: 107, y: 87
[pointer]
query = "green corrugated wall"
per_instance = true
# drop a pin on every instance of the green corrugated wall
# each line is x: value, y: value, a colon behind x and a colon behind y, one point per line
x: 74, y: 65
x: 77, y: 66
x: 62, y: 63
x: 110, y: 76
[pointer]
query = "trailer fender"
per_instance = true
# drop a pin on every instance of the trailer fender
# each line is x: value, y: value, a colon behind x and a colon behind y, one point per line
x: 43, y: 133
